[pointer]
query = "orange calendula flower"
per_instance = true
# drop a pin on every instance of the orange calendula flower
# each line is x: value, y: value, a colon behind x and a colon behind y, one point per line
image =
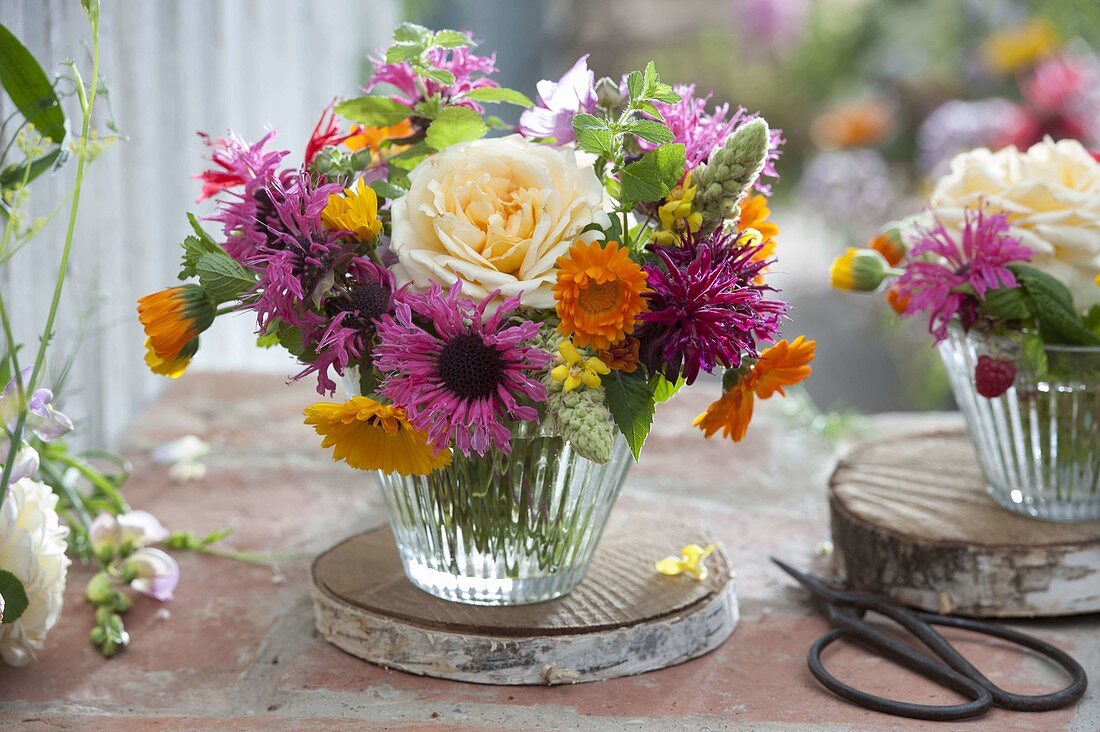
x: 858, y: 270
x: 621, y: 356
x: 373, y: 137
x: 890, y: 244
x: 369, y: 435
x: 779, y: 366
x: 173, y: 320
x: 898, y: 302
x: 755, y: 217
x: 599, y: 294
x: 355, y: 211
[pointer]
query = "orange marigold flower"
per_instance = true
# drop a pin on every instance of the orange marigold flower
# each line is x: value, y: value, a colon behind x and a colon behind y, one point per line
x: 779, y: 366
x: 369, y: 435
x: 599, y: 294
x: 621, y: 356
x: 173, y: 320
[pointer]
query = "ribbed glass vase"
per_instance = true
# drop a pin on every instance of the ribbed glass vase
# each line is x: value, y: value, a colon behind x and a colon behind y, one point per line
x: 1038, y: 444
x: 504, y: 529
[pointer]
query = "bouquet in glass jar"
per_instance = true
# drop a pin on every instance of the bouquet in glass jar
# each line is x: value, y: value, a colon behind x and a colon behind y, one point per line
x: 1006, y: 266
x: 532, y: 295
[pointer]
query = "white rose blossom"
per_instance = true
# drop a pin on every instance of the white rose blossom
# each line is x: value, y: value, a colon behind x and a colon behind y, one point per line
x: 1051, y: 194
x: 32, y: 547
x: 494, y: 214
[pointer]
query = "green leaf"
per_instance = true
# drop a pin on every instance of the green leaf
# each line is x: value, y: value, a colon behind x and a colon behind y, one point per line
x: 1035, y: 353
x: 373, y: 110
x: 663, y: 389
x: 385, y: 189
x: 439, y: 76
x: 496, y: 123
x: 454, y: 125
x: 17, y: 173
x: 1092, y: 319
x: 652, y: 176
x: 630, y: 399
x: 651, y: 130
x: 1036, y: 280
x: 412, y: 33
x: 195, y: 247
x: 635, y: 84
x: 1052, y: 304
x: 222, y: 277
x: 593, y: 135
x: 15, y: 597
x: 1007, y: 303
x: 29, y: 88
x: 499, y: 94
x: 404, y: 51
x: 451, y: 39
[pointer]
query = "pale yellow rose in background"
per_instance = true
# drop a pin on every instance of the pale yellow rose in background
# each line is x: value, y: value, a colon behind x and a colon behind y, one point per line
x: 495, y: 215
x: 1051, y: 194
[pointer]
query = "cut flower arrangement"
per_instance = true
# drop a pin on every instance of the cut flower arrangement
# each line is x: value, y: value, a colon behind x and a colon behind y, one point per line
x: 504, y: 312
x: 1006, y: 265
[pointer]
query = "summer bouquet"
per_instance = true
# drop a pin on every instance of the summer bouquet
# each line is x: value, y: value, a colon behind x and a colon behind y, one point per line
x: 1005, y: 264
x: 504, y: 312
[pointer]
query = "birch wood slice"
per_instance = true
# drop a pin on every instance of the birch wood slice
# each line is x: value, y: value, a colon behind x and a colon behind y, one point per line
x: 911, y: 519
x: 623, y: 619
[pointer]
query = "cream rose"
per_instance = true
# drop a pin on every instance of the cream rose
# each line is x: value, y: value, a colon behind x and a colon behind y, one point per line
x: 1051, y: 194
x: 495, y: 215
x: 32, y: 547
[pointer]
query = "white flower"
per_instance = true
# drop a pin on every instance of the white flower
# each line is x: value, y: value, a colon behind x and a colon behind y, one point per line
x: 1051, y: 194
x: 136, y: 528
x: 156, y: 573
x: 186, y: 448
x: 494, y: 214
x: 32, y: 547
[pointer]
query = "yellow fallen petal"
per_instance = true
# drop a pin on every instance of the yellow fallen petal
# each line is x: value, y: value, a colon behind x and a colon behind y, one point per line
x: 671, y: 566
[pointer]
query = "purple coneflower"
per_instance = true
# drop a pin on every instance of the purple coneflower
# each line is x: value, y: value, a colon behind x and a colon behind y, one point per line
x: 701, y: 132
x: 706, y: 308
x: 933, y: 284
x: 470, y: 70
x: 353, y: 307
x: 459, y: 376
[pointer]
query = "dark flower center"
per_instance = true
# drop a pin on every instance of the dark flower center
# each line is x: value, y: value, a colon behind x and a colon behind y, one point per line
x: 370, y: 299
x: 469, y: 368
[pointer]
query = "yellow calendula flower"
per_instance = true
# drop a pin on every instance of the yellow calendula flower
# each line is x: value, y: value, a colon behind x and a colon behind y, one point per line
x: 690, y: 562
x: 369, y: 435
x: 355, y: 211
x: 676, y: 213
x: 575, y: 370
x: 172, y: 320
x: 858, y: 270
x: 1011, y: 49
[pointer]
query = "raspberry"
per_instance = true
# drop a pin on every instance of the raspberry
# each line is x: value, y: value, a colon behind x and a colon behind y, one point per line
x: 993, y: 376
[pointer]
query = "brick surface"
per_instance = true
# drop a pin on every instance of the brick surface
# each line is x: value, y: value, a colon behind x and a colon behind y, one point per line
x: 239, y: 650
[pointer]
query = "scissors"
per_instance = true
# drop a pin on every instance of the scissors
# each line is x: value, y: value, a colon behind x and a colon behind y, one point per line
x: 846, y: 609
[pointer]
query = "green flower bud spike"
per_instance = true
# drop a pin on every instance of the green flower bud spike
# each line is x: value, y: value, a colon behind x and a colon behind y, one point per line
x: 729, y: 173
x: 583, y: 419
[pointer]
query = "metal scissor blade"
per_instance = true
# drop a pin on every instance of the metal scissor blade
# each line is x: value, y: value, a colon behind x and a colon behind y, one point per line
x: 817, y: 586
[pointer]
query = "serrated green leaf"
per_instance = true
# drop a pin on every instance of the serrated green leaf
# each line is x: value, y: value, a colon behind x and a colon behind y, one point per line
x: 454, y: 125
x: 635, y: 84
x: 499, y: 95
x: 496, y: 123
x: 374, y: 111
x: 651, y: 130
x: 404, y: 51
x: 593, y: 135
x: 223, y: 278
x: 665, y: 93
x: 412, y: 33
x: 451, y: 39
x: 196, y: 246
x: 29, y: 88
x: 1039, y: 281
x: 385, y: 189
x: 439, y: 76
x: 663, y: 389
x: 1052, y: 305
x: 15, y: 596
x: 1007, y: 303
x: 629, y: 397
x: 651, y: 177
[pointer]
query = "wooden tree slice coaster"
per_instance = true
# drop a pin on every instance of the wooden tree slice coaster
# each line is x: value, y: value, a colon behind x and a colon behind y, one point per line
x: 624, y: 619
x: 911, y: 519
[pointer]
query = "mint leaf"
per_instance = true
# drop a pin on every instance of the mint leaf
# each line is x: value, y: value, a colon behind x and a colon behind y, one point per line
x: 412, y: 33
x: 1007, y: 303
x: 373, y: 110
x: 663, y: 389
x: 196, y: 246
x: 499, y: 94
x: 593, y: 135
x: 404, y: 51
x: 630, y: 399
x: 651, y: 130
x: 439, y: 76
x: 223, y: 278
x: 652, y: 176
x: 385, y: 189
x: 635, y: 84
x: 15, y: 597
x: 454, y: 125
x: 1052, y: 304
x: 451, y: 39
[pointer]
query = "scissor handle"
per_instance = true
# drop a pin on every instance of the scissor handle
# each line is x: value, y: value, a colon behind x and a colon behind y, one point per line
x: 981, y: 699
x: 1001, y: 697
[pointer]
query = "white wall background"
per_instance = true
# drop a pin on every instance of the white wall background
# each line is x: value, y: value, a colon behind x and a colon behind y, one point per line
x: 172, y: 67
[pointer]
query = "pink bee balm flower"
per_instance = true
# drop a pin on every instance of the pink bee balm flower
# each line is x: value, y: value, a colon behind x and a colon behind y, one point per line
x: 559, y: 102
x: 470, y: 70
x: 933, y: 284
x: 457, y: 372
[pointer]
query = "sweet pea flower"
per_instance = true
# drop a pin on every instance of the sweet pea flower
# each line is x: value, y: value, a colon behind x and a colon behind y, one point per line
x: 42, y: 419
x: 155, y: 573
x: 26, y: 460
x: 559, y: 102
x: 136, y: 528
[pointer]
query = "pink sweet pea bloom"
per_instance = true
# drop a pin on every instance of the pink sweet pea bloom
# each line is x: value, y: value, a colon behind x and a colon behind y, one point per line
x: 559, y: 102
x: 156, y: 573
